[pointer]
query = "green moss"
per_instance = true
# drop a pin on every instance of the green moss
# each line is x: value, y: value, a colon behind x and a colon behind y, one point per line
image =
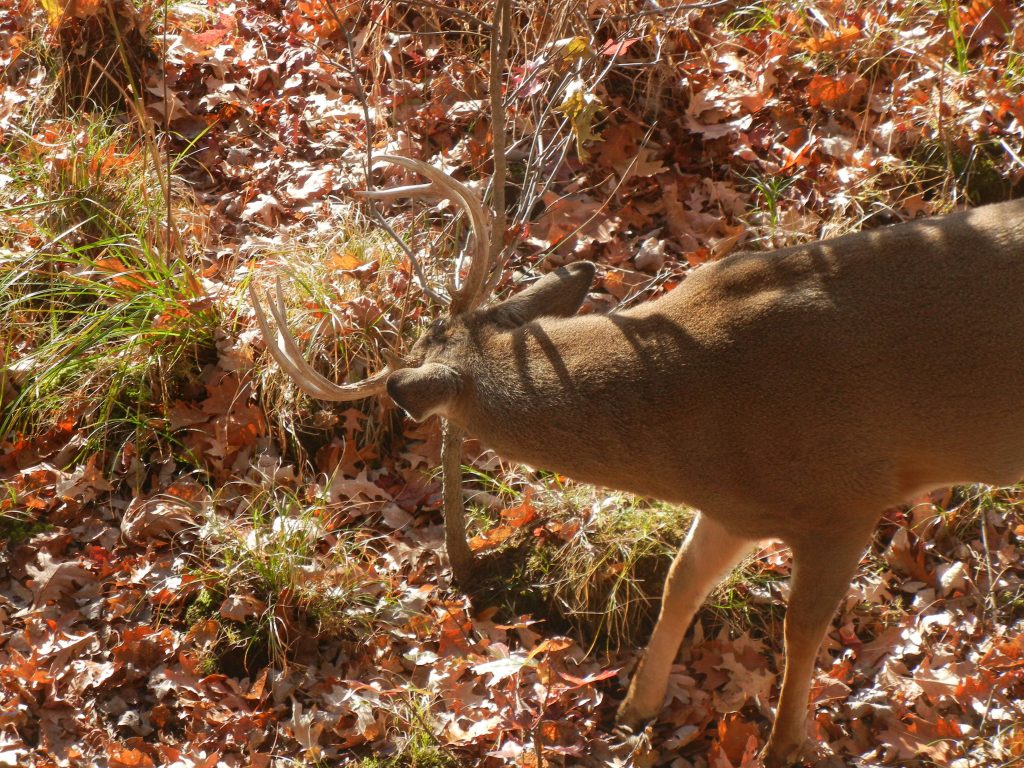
x: 419, y: 752
x: 203, y: 607
x: 16, y: 529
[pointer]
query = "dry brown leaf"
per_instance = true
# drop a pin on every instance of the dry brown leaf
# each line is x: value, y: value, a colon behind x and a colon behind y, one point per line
x: 122, y: 757
x: 313, y: 186
x: 358, y: 488
x: 622, y: 282
x: 241, y: 608
x: 85, y: 674
x: 908, y: 557
x: 52, y: 580
x: 521, y: 514
x: 737, y: 742
x: 491, y: 538
x: 845, y: 91
x: 986, y: 20
x: 833, y: 40
x: 157, y: 518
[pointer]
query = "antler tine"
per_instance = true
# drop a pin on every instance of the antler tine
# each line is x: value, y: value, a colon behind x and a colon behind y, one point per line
x: 283, y: 348
x: 472, y: 291
x: 410, y: 190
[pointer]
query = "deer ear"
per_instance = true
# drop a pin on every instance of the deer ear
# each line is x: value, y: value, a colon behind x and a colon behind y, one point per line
x: 557, y: 294
x: 425, y: 390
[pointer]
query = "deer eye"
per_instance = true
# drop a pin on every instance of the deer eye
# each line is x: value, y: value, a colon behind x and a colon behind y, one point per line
x: 438, y: 329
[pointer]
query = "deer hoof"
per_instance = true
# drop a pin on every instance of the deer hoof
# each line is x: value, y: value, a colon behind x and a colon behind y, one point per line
x: 633, y: 715
x: 781, y: 755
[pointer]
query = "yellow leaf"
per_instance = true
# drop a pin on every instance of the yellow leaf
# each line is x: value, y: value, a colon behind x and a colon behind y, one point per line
x: 577, y: 48
x: 581, y: 106
x: 54, y: 11
x: 57, y: 11
x: 346, y: 261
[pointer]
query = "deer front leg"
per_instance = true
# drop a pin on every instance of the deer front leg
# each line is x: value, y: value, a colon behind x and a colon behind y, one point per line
x: 460, y: 556
x: 822, y: 571
x: 707, y: 556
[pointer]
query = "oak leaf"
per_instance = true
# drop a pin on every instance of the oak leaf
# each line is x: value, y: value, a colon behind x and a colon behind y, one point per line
x: 52, y: 580
x: 155, y: 519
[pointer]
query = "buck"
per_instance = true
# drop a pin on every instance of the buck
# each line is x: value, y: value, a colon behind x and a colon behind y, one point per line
x: 793, y: 394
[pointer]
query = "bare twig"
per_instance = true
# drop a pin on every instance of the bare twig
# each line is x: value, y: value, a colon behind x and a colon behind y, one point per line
x: 167, y: 128
x: 500, y: 36
x: 990, y: 596
x: 655, y: 10
x: 1013, y: 155
x: 453, y: 11
x: 545, y: 159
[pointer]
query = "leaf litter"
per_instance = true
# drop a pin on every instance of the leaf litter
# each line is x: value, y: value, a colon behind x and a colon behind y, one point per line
x: 718, y: 127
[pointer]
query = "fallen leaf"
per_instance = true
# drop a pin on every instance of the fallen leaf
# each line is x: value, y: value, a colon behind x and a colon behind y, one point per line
x: 53, y: 580
x: 241, y: 608
x: 158, y: 518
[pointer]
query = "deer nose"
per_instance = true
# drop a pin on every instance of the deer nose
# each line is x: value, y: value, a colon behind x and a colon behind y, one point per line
x: 392, y: 385
x: 425, y: 390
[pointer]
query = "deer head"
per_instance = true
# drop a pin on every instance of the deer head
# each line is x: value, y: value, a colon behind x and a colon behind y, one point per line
x: 439, y: 368
x: 442, y: 364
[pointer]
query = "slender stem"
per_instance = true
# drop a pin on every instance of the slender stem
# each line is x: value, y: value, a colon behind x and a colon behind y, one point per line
x: 167, y: 131
x: 500, y: 38
x: 463, y: 564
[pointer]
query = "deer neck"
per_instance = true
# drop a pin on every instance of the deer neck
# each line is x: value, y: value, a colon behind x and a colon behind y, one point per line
x: 572, y: 395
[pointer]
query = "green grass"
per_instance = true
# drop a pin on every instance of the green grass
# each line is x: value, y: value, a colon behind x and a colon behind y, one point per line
x: 100, y: 319
x: 612, y: 572
x: 419, y: 750
x: 755, y: 17
x: 970, y: 517
x: 769, y: 194
x: 950, y: 10
x: 593, y: 563
x: 589, y: 564
x: 1013, y: 73
x: 292, y: 575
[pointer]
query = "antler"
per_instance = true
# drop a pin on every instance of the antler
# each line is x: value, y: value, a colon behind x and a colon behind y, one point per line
x: 281, y: 345
x: 441, y: 184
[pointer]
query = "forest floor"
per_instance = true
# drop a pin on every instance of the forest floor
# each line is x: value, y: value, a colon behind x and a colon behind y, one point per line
x: 202, y: 566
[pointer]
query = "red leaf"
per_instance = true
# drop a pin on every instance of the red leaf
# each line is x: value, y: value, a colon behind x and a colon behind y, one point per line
x: 618, y: 47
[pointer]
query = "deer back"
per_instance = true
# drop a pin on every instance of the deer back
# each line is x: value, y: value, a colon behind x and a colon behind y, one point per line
x: 847, y: 373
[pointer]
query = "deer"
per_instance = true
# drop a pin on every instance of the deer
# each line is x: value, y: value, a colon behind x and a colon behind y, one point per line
x: 793, y: 394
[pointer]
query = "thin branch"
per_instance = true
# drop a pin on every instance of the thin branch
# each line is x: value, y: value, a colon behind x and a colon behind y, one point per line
x: 457, y: 12
x: 541, y: 157
x: 167, y: 128
x: 1013, y: 155
x: 460, y: 557
x: 669, y: 10
x: 500, y: 38
x: 421, y: 276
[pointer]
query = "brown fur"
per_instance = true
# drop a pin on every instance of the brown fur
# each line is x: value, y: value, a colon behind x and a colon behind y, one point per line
x: 792, y: 394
